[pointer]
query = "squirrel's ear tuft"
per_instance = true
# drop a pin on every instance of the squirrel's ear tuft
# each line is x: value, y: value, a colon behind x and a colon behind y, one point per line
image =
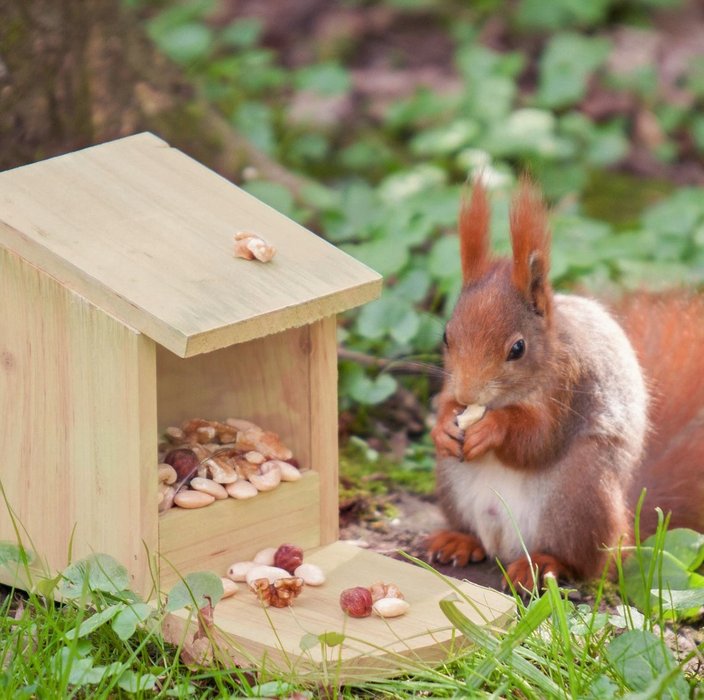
x: 474, y: 233
x: 530, y: 238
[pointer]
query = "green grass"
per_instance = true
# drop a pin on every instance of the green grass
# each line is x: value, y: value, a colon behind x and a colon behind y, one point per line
x: 75, y: 649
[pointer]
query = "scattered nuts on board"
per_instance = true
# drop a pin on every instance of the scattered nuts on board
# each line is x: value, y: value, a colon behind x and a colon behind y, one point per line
x: 277, y: 574
x: 381, y: 590
x: 390, y: 607
x: 265, y: 556
x: 356, y: 602
x: 250, y: 246
x: 473, y: 413
x: 235, y: 458
x: 311, y: 574
x: 289, y: 557
x: 229, y: 587
x: 384, y: 599
x: 280, y: 593
x: 271, y: 573
x: 238, y: 571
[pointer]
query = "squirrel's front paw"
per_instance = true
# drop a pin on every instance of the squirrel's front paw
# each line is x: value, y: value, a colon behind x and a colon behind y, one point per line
x: 484, y: 435
x: 456, y: 548
x: 447, y: 438
x: 524, y: 572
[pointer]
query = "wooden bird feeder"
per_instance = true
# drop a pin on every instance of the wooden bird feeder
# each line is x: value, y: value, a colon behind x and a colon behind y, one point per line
x: 123, y: 312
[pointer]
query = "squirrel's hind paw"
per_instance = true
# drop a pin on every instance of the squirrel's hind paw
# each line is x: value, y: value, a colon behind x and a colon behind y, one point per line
x: 522, y: 572
x: 456, y: 548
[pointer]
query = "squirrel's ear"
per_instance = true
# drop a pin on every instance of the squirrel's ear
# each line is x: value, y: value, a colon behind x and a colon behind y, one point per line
x: 530, y: 238
x: 474, y: 233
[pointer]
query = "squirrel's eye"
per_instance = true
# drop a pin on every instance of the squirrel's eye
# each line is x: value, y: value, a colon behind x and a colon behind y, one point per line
x: 517, y: 350
x: 444, y: 340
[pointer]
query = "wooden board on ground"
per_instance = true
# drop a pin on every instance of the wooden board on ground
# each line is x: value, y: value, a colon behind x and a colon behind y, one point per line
x: 285, y: 639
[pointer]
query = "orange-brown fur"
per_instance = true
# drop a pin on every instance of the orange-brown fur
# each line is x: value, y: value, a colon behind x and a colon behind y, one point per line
x: 667, y: 332
x: 551, y: 417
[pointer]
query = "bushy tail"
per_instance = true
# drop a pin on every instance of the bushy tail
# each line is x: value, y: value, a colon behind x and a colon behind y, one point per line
x: 667, y: 332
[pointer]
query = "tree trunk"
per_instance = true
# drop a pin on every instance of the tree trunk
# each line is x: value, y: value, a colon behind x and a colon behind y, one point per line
x: 78, y: 72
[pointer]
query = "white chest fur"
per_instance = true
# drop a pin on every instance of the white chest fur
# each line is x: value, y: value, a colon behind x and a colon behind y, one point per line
x: 496, y: 503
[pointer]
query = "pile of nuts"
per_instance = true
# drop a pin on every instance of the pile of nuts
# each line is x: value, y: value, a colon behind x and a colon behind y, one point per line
x: 207, y: 460
x: 383, y: 599
x: 277, y: 575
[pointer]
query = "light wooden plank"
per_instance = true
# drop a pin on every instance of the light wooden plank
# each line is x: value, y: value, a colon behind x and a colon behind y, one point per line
x: 78, y: 433
x: 213, y: 538
x: 145, y: 233
x: 372, y: 646
x: 323, y: 419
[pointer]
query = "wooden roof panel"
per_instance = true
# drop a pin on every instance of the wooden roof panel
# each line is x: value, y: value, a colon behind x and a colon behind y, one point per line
x: 146, y: 233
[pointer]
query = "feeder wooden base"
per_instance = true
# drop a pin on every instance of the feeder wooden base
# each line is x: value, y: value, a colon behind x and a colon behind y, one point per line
x: 269, y: 638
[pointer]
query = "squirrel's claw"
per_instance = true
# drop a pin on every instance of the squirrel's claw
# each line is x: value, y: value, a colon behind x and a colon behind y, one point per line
x: 522, y: 572
x: 454, y: 548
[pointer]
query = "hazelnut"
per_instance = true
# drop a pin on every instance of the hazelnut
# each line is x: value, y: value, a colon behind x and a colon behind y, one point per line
x: 289, y: 557
x: 356, y: 602
x: 184, y: 461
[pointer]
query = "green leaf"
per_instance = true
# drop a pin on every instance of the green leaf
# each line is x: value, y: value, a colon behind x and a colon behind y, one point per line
x: 565, y: 66
x: 678, y: 215
x: 445, y: 139
x: 414, y: 285
x: 255, y: 121
x: 97, y: 572
x: 386, y: 255
x: 201, y: 588
x: 328, y: 79
x: 639, y: 658
x: 14, y: 554
x: 243, y: 33
x: 444, y: 259
x: 125, y: 623
x: 561, y: 14
x: 528, y: 131
x: 687, y: 601
x: 132, y: 682
x: 361, y: 388
x: 185, y: 43
x: 94, y: 621
x: 273, y: 194
x: 390, y: 315
x: 331, y: 639
x: 399, y: 186
x: 309, y: 641
x: 271, y: 689
x: 686, y: 545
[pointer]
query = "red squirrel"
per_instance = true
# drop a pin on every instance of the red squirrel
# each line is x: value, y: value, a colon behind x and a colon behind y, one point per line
x: 581, y: 412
